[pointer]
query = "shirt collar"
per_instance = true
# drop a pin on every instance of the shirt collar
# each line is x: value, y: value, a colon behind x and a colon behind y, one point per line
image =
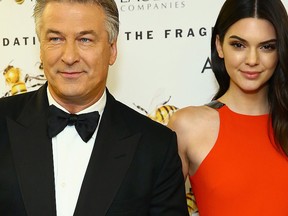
x: 98, y: 106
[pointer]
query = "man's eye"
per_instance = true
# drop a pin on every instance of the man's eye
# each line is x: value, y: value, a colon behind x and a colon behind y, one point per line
x: 55, y: 39
x: 85, y: 40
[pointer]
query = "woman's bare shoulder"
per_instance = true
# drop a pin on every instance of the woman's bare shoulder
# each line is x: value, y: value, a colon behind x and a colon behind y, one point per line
x: 192, y: 117
x: 197, y: 129
x: 192, y: 125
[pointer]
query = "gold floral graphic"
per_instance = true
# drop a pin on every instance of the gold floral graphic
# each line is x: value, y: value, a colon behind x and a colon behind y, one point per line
x: 19, y: 1
x: 191, y: 203
x: 17, y: 85
x: 12, y: 77
x: 162, y: 113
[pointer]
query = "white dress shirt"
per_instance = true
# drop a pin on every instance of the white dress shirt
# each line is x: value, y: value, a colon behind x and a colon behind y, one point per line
x: 71, y: 157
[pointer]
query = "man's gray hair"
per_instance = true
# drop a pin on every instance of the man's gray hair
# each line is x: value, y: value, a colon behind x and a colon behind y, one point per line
x: 109, y: 7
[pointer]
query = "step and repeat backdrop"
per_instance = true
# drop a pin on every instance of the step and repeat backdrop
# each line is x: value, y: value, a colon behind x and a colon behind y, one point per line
x: 163, y: 59
x: 163, y: 52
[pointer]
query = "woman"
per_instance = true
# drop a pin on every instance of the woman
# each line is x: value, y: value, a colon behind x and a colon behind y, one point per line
x: 235, y: 148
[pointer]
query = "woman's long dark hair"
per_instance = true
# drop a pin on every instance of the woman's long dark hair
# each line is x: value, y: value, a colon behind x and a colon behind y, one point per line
x: 275, y: 12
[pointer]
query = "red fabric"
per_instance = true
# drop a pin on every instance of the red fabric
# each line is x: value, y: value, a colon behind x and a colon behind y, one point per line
x: 244, y: 173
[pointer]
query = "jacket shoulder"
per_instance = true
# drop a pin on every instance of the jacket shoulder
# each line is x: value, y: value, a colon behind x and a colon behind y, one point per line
x: 12, y: 106
x: 138, y: 121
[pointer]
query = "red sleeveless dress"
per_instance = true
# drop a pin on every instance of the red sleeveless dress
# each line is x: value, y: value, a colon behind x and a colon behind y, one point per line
x: 244, y: 173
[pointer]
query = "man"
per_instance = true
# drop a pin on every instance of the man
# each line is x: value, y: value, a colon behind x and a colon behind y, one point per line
x: 128, y: 165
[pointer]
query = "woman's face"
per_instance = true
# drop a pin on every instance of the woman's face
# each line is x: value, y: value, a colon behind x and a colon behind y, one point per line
x: 249, y: 53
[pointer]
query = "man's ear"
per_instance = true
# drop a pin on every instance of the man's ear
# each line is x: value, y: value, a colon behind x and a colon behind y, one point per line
x: 113, y: 52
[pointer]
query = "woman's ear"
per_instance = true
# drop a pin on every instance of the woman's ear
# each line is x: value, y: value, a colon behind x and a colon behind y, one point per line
x: 219, y: 47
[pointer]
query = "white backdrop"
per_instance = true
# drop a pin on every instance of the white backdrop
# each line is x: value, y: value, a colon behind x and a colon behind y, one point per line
x: 163, y: 48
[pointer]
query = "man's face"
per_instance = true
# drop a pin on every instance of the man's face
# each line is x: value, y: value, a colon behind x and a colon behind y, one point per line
x: 75, y: 52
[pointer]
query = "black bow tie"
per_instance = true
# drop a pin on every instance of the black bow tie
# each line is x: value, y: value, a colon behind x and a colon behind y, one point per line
x: 85, y: 124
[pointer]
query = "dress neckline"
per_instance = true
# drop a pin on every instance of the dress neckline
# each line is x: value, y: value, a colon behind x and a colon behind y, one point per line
x: 215, y: 104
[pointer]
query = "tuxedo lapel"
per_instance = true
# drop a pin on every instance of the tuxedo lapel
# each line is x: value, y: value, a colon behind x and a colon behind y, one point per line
x: 112, y: 154
x: 32, y: 153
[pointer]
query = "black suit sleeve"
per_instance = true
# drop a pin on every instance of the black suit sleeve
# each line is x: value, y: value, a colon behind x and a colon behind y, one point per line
x: 169, y: 190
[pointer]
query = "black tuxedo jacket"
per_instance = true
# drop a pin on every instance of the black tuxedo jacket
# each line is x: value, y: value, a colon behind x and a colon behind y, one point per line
x: 134, y: 167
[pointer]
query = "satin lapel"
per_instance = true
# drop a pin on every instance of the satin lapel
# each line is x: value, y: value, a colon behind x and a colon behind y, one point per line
x: 32, y: 153
x: 110, y: 160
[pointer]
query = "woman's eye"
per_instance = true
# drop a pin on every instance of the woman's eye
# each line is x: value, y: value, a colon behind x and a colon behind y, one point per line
x: 269, y: 47
x: 237, y: 45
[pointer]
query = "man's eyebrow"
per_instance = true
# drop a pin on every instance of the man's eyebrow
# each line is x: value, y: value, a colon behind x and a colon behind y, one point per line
x: 92, y: 32
x: 51, y: 31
